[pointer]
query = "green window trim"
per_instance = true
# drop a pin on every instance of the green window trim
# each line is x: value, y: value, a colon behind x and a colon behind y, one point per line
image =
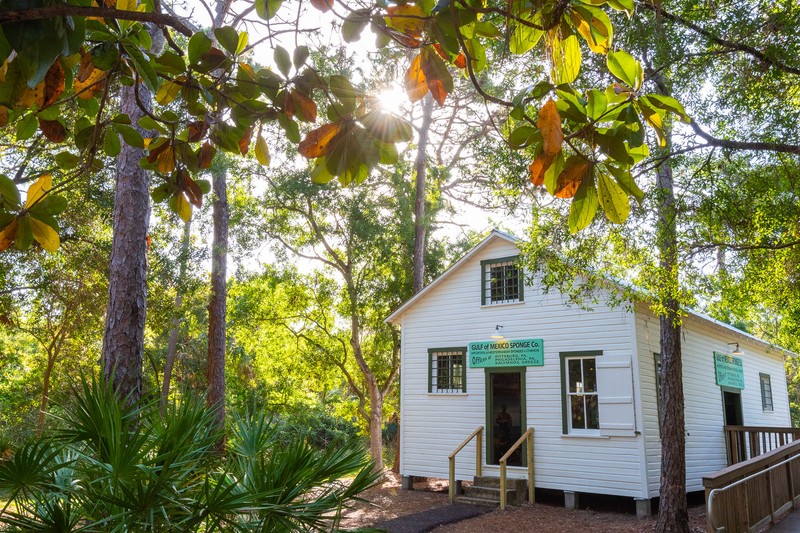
x: 451, y: 353
x: 520, y: 280
x: 563, y: 356
x: 765, y: 384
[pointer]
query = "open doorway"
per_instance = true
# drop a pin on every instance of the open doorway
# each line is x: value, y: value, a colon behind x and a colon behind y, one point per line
x: 505, y: 413
x: 732, y: 416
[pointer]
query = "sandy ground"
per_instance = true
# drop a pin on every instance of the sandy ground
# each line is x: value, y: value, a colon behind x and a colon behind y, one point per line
x: 388, y: 501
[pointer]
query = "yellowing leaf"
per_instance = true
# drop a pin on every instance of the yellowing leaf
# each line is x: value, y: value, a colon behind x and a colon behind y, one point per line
x: 414, y: 81
x: 38, y: 190
x: 566, y: 56
x: 262, y: 151
x: 91, y: 84
x: 54, y: 83
x: 613, y: 199
x: 408, y: 19
x: 165, y: 162
x: 594, y: 26
x: 183, y: 207
x: 8, y: 234
x: 167, y: 92
x: 126, y: 5
x: 29, y: 96
x: 549, y: 123
x: 45, y: 235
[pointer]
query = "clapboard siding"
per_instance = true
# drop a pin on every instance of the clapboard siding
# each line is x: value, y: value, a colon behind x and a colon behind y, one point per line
x: 705, y: 440
x: 450, y: 315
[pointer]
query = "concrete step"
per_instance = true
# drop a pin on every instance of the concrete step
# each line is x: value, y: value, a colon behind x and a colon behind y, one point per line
x: 486, y: 481
x: 482, y: 502
x: 490, y: 493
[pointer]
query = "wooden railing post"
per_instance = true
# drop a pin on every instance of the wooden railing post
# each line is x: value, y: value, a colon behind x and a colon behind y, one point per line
x: 531, y: 484
x: 479, y: 454
x: 451, y: 492
x: 503, y: 495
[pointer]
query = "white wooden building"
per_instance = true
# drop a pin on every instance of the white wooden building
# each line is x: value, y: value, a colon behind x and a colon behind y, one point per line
x: 591, y: 398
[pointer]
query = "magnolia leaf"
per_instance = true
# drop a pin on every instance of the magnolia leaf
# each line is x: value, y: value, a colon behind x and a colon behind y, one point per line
x: 666, y: 103
x: 228, y: 38
x: 26, y: 127
x: 322, y: 5
x: 584, y: 206
x: 625, y: 68
x: 9, y: 194
x: 199, y: 45
x: 192, y: 190
x: 50, y: 205
x: 320, y: 173
x: 525, y: 37
x: 300, y: 56
x: 244, y: 141
x: 553, y: 171
x: 24, y: 236
x: 626, y: 181
x: 111, y: 145
x: 387, y: 128
x: 597, y: 104
x: 167, y: 92
x: 301, y: 105
x: 414, y: 80
x: 408, y: 19
x: 53, y: 130
x: 575, y: 171
x: 8, y: 234
x: 523, y: 136
x: 54, y: 83
x: 262, y: 151
x: 319, y: 141
x: 39, y: 190
x: 549, y: 123
x: 45, y: 235
x: 539, y: 167
x: 594, y: 26
x: 566, y: 56
x: 130, y: 135
x: 161, y: 193
x: 197, y: 130
x: 613, y: 199
x: 283, y: 60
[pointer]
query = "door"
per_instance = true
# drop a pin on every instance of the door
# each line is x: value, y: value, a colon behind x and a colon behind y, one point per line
x: 505, y: 414
x: 732, y: 415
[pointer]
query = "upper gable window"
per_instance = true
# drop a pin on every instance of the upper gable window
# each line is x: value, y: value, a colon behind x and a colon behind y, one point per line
x: 501, y: 281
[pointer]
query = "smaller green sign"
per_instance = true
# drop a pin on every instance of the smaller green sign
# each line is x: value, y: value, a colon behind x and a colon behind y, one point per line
x: 729, y: 370
x: 514, y: 352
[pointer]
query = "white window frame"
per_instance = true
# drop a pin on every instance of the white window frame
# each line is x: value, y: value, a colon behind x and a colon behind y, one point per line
x: 567, y: 401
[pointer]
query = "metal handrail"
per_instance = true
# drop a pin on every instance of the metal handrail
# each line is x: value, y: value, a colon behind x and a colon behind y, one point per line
x: 714, y: 492
x: 527, y: 436
x: 452, y: 460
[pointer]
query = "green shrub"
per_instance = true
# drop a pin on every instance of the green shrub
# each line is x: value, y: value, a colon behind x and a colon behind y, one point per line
x: 118, y: 469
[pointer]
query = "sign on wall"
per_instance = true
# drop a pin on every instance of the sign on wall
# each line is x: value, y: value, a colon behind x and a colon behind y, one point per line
x: 729, y: 370
x: 511, y: 352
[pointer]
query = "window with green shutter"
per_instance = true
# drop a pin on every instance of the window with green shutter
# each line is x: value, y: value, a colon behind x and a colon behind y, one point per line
x: 501, y: 281
x: 447, y: 370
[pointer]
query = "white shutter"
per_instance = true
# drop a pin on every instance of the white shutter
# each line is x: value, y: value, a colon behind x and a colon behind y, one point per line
x: 615, y: 398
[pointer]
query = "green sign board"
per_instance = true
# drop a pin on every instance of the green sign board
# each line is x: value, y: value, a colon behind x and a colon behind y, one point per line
x: 729, y: 370
x: 512, y: 352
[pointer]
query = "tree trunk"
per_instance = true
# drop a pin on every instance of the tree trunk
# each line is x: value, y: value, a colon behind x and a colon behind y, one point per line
x: 420, y: 224
x: 673, y: 515
x: 48, y: 371
x: 215, y: 372
x: 123, y: 342
x: 375, y: 422
x: 172, y: 343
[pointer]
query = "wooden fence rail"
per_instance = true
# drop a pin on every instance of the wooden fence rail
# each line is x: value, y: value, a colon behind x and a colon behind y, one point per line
x: 747, y: 442
x: 748, y: 495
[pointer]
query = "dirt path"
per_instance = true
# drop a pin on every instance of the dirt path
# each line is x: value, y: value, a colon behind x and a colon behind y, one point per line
x: 389, y: 501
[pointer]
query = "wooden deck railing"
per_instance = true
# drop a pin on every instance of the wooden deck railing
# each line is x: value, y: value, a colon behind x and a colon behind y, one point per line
x: 478, y: 460
x: 748, y: 495
x: 526, y: 437
x: 747, y: 442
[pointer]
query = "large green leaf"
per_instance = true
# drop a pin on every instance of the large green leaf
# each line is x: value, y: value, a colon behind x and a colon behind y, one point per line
x: 625, y: 68
x: 566, y: 59
x: 199, y: 45
x: 613, y: 199
x: 9, y: 194
x: 584, y: 206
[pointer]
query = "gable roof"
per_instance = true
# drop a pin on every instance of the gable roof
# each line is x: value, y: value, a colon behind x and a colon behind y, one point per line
x: 494, y: 234
x: 394, y: 318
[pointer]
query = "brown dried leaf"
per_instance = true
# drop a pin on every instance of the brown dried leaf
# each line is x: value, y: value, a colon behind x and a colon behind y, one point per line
x: 192, y: 190
x: 322, y: 5
x: 7, y: 235
x: 197, y: 130
x: 539, y: 167
x: 53, y: 83
x: 570, y: 178
x: 549, y: 123
x: 244, y: 142
x: 206, y: 155
x: 318, y: 142
x: 53, y: 130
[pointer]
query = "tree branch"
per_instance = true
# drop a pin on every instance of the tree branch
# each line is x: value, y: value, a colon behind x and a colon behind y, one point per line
x: 63, y: 10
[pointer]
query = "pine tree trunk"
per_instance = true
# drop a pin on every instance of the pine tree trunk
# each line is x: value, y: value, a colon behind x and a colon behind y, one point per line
x: 375, y: 422
x: 673, y: 515
x: 215, y: 372
x: 123, y: 342
x: 420, y: 224
x: 172, y: 343
x: 48, y: 371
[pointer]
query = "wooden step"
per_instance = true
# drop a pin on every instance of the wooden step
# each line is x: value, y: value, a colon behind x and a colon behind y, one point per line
x: 477, y: 501
x: 490, y: 493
